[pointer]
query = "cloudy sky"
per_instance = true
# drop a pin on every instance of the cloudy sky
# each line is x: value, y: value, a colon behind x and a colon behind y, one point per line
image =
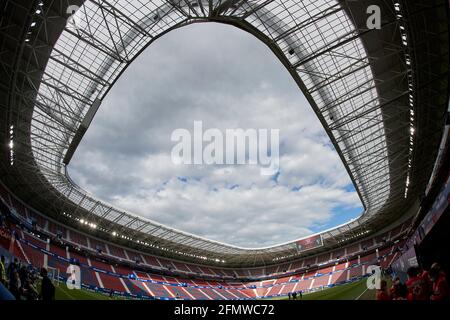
x: 227, y: 79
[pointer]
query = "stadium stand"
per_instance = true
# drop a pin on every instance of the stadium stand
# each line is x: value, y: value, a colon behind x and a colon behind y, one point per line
x: 116, y: 251
x: 114, y: 267
x: 78, y: 239
x: 101, y: 274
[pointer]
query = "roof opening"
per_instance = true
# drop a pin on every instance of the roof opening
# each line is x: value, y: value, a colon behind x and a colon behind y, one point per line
x: 226, y: 79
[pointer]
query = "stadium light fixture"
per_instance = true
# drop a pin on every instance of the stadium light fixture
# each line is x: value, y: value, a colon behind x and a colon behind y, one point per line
x: 11, y: 145
x: 409, y: 62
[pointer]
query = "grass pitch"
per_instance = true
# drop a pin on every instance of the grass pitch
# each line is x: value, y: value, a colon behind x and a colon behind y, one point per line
x: 63, y: 293
x: 351, y: 291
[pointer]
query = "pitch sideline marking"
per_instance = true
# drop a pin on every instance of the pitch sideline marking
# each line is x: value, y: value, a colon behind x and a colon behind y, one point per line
x: 362, y: 294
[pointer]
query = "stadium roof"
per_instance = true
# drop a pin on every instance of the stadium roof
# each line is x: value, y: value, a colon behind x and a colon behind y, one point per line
x: 381, y: 96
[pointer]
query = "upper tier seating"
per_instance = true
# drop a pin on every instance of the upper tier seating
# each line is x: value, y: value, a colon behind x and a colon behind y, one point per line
x: 322, y: 270
x: 170, y: 287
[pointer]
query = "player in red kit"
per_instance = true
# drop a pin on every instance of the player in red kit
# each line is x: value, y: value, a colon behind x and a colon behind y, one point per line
x: 417, y: 287
x: 382, y: 293
x: 440, y: 285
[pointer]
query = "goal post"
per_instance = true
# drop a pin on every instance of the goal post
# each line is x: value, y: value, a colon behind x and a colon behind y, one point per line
x: 53, y: 274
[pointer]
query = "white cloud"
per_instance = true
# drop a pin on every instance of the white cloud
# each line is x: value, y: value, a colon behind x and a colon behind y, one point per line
x: 250, y: 217
x: 237, y: 83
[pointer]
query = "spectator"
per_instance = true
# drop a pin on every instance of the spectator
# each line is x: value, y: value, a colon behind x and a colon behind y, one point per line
x: 417, y: 288
x: 23, y: 274
x: 13, y: 265
x: 428, y: 284
x: 400, y: 292
x: 29, y: 290
x: 2, y: 270
x: 382, y: 293
x: 13, y: 280
x: 393, y: 287
x: 440, y: 287
x: 15, y: 285
x: 47, y: 287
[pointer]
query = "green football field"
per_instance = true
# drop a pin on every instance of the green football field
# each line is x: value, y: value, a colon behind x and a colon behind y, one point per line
x: 351, y: 291
x: 63, y: 293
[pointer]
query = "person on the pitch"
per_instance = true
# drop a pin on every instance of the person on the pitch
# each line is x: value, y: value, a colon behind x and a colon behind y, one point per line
x: 382, y: 293
x: 47, y: 287
x: 440, y: 287
x: 417, y: 286
x: 393, y: 287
